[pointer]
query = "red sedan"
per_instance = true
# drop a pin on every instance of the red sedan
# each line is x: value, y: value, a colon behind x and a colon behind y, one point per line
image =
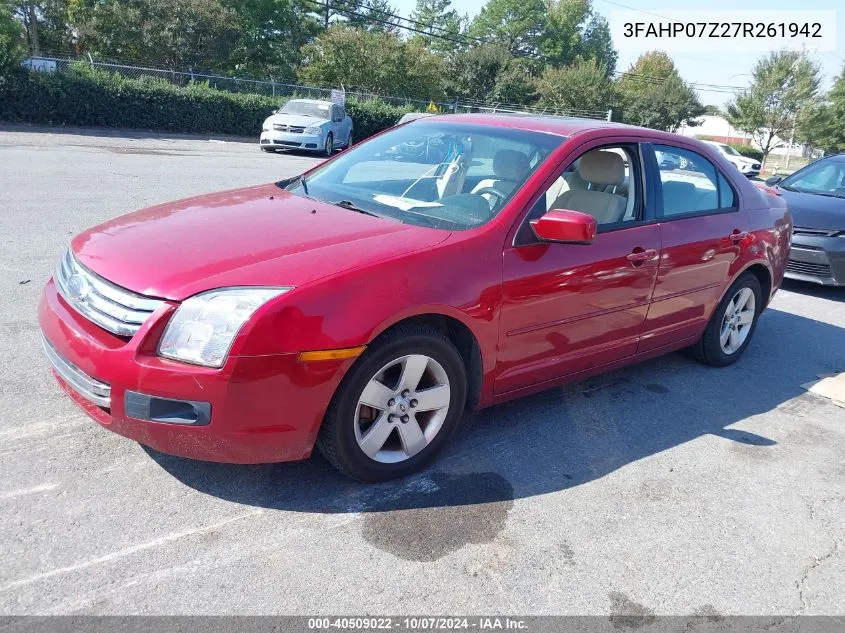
x: 446, y: 265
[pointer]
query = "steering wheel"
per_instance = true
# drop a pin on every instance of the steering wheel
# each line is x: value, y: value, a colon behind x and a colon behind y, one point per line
x: 501, y: 195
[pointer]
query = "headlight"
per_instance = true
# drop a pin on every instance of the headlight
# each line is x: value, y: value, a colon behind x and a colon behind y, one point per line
x: 205, y: 326
x: 314, y: 130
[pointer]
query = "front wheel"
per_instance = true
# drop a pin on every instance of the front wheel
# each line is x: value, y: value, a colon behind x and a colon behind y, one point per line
x: 732, y: 325
x: 327, y: 150
x: 397, y: 407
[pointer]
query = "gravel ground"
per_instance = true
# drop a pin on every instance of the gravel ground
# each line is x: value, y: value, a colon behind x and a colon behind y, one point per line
x: 665, y: 488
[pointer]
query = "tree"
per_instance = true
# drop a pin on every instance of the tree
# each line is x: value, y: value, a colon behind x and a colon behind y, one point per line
x: 579, y: 88
x: 713, y: 110
x: 652, y: 94
x: 175, y: 34
x: 372, y: 61
x: 562, y: 39
x: 46, y: 25
x: 783, y: 84
x: 373, y: 15
x: 519, y: 25
x: 12, y: 41
x: 597, y: 44
x: 442, y: 21
x: 822, y: 124
x: 473, y: 72
x: 574, y: 31
x: 270, y: 36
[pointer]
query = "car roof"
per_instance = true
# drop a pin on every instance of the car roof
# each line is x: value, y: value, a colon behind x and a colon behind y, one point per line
x: 563, y: 126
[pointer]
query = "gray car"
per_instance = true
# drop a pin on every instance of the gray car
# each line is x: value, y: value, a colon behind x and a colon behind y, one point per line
x: 816, y: 197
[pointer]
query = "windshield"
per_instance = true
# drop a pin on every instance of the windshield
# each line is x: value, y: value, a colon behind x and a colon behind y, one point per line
x: 432, y: 173
x: 307, y: 108
x: 729, y: 150
x: 824, y: 178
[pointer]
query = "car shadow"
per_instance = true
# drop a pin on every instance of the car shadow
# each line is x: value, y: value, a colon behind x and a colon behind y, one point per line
x: 563, y: 437
x: 831, y: 293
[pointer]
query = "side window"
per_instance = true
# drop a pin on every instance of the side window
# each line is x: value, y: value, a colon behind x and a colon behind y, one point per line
x: 604, y: 182
x: 727, y: 197
x: 691, y: 184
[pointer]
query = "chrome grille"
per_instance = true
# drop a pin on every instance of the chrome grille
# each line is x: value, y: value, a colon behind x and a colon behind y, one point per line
x: 113, y: 308
x: 89, y: 388
x: 293, y: 129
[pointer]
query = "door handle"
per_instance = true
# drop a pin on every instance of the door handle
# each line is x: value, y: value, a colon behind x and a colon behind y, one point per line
x: 638, y: 256
x: 737, y: 236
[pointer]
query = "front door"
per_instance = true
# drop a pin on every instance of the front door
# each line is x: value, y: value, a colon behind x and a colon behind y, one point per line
x: 570, y: 307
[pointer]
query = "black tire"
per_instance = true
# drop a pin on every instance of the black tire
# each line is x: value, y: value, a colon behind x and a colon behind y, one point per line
x: 269, y: 150
x: 708, y: 349
x: 348, y: 142
x: 327, y: 151
x: 336, y: 440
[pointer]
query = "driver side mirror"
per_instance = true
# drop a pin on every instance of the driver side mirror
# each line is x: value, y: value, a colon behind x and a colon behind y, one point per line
x: 563, y: 225
x: 773, y: 180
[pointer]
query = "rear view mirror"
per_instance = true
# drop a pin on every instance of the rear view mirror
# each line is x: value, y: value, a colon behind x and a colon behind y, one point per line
x: 773, y: 180
x: 562, y: 225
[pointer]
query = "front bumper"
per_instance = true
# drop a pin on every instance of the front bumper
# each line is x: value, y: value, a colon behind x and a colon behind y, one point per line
x: 750, y: 171
x: 817, y: 259
x: 286, y: 140
x: 259, y: 408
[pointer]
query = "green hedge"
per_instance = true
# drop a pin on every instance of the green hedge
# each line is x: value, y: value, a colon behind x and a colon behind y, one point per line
x: 747, y: 150
x: 84, y: 96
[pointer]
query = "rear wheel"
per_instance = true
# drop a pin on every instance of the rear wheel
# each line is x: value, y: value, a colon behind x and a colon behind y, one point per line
x: 348, y: 142
x: 732, y: 325
x: 397, y: 407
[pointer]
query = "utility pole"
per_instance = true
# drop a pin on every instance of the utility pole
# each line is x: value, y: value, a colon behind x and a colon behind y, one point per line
x: 791, y: 141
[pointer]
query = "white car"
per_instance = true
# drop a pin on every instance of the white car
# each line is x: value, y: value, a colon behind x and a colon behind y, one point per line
x: 308, y: 124
x: 749, y: 167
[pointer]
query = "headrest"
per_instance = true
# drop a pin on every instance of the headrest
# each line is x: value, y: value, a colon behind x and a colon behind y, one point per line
x: 509, y: 164
x: 602, y: 168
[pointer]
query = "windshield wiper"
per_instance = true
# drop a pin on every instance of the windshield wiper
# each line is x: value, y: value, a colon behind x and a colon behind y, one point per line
x: 287, y: 182
x: 348, y: 204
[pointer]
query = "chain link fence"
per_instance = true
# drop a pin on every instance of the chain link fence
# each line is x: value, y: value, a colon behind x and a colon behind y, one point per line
x: 272, y: 88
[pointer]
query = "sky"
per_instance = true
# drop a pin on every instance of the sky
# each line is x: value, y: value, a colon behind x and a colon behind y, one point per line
x: 708, y: 67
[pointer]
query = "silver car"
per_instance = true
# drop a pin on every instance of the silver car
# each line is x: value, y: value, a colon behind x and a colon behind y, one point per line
x: 308, y: 124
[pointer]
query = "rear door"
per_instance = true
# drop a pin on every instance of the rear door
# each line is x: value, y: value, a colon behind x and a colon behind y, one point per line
x: 701, y: 231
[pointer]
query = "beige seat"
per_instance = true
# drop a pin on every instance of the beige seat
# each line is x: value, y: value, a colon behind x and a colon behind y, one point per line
x: 599, y: 169
x: 510, y: 167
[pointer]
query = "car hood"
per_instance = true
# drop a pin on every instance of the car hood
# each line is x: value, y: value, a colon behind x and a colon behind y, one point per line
x: 745, y: 160
x: 296, y: 119
x: 815, y: 212
x: 261, y: 236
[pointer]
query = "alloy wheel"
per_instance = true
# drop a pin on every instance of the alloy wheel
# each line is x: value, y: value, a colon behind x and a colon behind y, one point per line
x: 737, y: 321
x: 402, y: 408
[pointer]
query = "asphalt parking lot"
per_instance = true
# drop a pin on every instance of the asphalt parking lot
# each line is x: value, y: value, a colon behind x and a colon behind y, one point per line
x: 664, y: 488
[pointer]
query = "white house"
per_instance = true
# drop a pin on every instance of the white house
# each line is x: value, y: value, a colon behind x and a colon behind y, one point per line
x: 720, y: 129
